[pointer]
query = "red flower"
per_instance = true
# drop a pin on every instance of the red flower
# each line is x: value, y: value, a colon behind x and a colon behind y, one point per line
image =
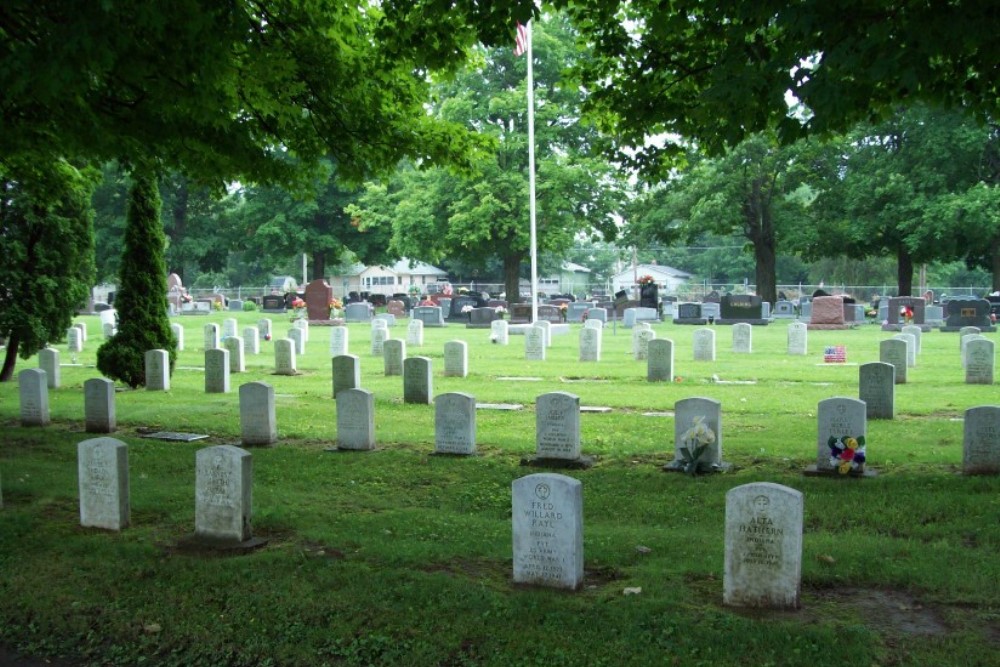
x: 847, y: 454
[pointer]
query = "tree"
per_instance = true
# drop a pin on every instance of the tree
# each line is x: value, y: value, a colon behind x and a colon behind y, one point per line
x: 719, y: 72
x: 141, y: 294
x: 48, y: 264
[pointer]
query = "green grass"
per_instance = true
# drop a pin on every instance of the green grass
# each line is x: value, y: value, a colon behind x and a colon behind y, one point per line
x: 396, y: 557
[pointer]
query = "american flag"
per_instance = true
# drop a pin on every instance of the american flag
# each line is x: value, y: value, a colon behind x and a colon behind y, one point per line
x: 521, y: 40
x: 835, y: 354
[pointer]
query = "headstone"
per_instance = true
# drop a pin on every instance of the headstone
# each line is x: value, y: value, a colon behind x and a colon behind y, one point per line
x: 980, y: 360
x: 711, y: 311
x: 358, y: 312
x: 576, y: 311
x: 387, y: 319
x: 628, y: 318
x: 968, y: 313
x: 704, y: 345
x: 456, y: 359
x: 590, y: 344
x: 251, y: 341
x: 102, y: 467
x: 660, y: 364
x: 742, y: 338
x: 223, y: 494
x: 967, y: 331
x: 557, y: 426
x: 981, y: 441
x: 339, y: 341
x: 157, y: 370
x: 551, y: 314
x: 236, y: 305
x: 911, y: 348
x: 379, y: 336
x: 74, y: 340
x: 500, y: 332
x: 418, y: 384
x: 108, y: 330
x: 798, y: 338
x: 827, y: 313
x: 966, y: 339
x: 99, y: 406
x: 431, y: 316
x: 748, y: 308
x: 298, y: 338
x: 302, y: 325
x: 839, y: 418
x: 415, y: 333
x: 217, y: 370
x: 640, y: 343
x: 82, y: 326
x: 547, y: 526
x: 594, y: 324
x: 534, y: 343
x: 393, y: 353
x: 178, y: 331
x: 284, y: 357
x: 356, y: 419
x: 265, y: 328
x: 237, y: 363
x: 346, y: 373
x: 454, y: 423
x: 319, y: 294
x: 34, y: 394
x: 915, y: 331
x: 897, y: 304
x: 48, y: 361
x: 763, y: 562
x: 893, y: 351
x: 546, y: 328
x: 688, y: 414
x: 273, y: 303
x: 806, y: 309
x: 784, y: 310
x: 599, y: 314
x: 229, y: 326
x: 877, y: 388
x: 689, y: 313
x: 211, y: 336
x: 481, y: 318
x: 396, y: 308
x: 520, y: 313
x: 933, y: 315
x: 258, y: 419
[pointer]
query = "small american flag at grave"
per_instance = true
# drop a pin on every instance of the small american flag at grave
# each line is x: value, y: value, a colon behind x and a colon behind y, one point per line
x: 834, y: 354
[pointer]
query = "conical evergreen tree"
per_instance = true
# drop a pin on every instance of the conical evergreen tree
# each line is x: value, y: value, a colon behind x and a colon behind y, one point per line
x: 141, y: 300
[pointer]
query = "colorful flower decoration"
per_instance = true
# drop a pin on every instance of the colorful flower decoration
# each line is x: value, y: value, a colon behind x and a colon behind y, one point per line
x: 847, y: 453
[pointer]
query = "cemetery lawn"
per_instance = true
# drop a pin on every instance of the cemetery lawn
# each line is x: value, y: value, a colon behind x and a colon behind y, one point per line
x: 398, y: 557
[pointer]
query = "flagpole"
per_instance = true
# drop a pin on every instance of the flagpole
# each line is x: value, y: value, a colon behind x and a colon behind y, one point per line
x: 531, y: 178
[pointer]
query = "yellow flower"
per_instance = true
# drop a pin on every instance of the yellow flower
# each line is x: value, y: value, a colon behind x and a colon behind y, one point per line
x: 851, y: 443
x: 844, y: 467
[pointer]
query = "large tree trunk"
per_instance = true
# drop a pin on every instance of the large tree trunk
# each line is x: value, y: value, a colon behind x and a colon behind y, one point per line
x: 318, y: 264
x: 766, y: 259
x: 758, y: 227
x: 512, y: 277
x: 995, y: 263
x: 904, y: 271
x: 7, y: 374
x: 179, y: 215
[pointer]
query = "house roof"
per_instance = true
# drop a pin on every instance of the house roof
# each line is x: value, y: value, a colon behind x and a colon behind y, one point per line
x: 653, y: 269
x: 400, y: 267
x: 575, y: 268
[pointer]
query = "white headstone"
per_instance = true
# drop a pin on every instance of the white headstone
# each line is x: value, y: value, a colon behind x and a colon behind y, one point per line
x: 763, y: 565
x: 217, y: 371
x: 640, y: 342
x: 298, y: 338
x: 340, y: 338
x: 157, y: 370
x: 456, y: 359
x: 893, y: 351
x: 178, y: 332
x: 82, y: 326
x: 877, y: 388
x: 284, y: 357
x: 99, y: 406
x: 303, y: 326
x: 660, y: 363
x: 594, y: 324
x: 229, y: 326
x: 590, y: 343
x: 836, y: 418
x: 355, y: 419
x: 418, y: 386
x: 234, y: 344
x: 102, y: 466
x: 258, y: 420
x: 108, y: 330
x: 557, y: 426
x: 211, y: 336
x: 914, y: 331
x: 500, y: 332
x: 546, y: 328
x: 265, y: 327
x: 911, y: 348
x: 981, y: 441
x: 966, y: 339
x: 454, y: 423
x: 534, y: 343
x: 379, y: 336
x: 393, y: 353
x: 74, y: 340
x: 223, y: 494
x: 48, y: 361
x: 742, y: 338
x: 704, y: 344
x: 687, y: 413
x: 34, y: 393
x: 547, y: 526
x: 980, y: 359
x: 967, y: 331
x: 798, y: 338
x: 251, y: 341
x: 415, y: 333
x: 346, y: 373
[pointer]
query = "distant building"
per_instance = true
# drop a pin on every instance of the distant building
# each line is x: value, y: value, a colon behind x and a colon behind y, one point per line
x: 571, y: 279
x: 667, y: 277
x: 388, y: 280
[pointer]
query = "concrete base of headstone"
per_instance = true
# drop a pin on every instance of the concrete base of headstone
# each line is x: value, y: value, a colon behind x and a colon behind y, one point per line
x: 827, y: 327
x: 756, y: 323
x: 813, y: 471
x: 194, y: 544
x: 982, y: 329
x: 678, y: 466
x: 582, y: 463
x: 699, y: 321
x: 336, y: 322
x: 899, y: 327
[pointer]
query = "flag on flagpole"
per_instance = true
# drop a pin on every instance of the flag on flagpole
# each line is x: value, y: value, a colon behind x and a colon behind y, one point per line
x: 521, y: 40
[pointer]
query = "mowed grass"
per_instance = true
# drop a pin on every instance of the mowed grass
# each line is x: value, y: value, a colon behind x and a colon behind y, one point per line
x: 397, y: 557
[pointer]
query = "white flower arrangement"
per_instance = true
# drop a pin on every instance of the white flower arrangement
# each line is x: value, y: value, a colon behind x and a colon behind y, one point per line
x: 696, y: 440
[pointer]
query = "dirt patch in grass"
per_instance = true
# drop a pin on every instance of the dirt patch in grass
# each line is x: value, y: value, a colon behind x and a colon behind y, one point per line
x: 889, y: 611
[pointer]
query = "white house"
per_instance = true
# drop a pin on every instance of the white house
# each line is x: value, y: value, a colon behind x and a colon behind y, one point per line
x: 387, y: 279
x: 666, y: 277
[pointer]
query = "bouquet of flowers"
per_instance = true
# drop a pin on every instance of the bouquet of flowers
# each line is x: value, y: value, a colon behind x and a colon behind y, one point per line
x: 563, y: 309
x: 696, y: 440
x: 299, y: 306
x: 906, y: 313
x: 646, y: 280
x: 335, y: 307
x: 847, y: 453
